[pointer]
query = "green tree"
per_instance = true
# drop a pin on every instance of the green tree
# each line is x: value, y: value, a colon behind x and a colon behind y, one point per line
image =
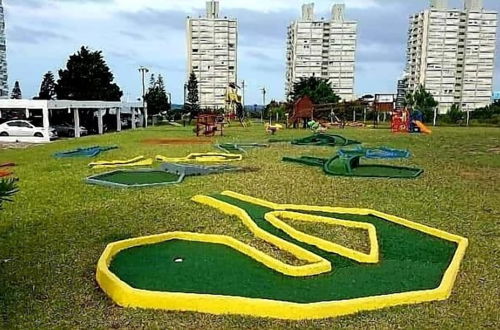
x: 156, y: 96
x: 48, y: 87
x: 455, y: 114
x: 16, y: 92
x: 424, y: 101
x: 192, y: 105
x: 318, y: 89
x: 7, y: 189
x: 87, y: 77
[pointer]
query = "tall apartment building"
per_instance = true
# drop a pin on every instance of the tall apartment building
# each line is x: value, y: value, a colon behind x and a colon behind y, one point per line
x: 212, y: 55
x: 323, y: 48
x: 452, y: 53
x: 4, y: 88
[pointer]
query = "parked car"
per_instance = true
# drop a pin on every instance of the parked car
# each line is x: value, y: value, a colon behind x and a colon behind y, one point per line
x: 23, y: 128
x: 69, y: 130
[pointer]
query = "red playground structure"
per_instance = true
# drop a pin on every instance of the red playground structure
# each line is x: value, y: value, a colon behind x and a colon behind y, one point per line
x: 210, y: 125
x: 400, y: 121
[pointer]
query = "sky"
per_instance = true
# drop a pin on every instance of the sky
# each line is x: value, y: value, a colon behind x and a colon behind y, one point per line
x: 42, y: 34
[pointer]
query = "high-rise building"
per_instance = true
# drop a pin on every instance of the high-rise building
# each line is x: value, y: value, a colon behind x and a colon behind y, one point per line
x: 212, y: 55
x: 452, y: 53
x: 322, y: 48
x: 4, y: 87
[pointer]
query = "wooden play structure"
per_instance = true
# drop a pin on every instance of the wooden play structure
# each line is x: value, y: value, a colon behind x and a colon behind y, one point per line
x: 210, y: 125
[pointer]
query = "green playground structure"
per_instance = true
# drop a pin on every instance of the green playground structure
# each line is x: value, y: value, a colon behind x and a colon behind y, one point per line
x: 322, y: 139
x: 351, y: 166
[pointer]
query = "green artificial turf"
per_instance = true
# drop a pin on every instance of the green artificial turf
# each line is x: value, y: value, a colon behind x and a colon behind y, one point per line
x: 54, y: 232
x: 410, y: 260
x: 138, y: 177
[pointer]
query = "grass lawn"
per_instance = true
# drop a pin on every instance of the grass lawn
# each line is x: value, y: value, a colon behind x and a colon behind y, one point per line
x: 53, y: 234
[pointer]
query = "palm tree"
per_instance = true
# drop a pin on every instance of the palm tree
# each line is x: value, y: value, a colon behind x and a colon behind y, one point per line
x: 8, y: 188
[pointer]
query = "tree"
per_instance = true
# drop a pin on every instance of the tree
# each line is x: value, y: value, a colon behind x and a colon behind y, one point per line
x: 318, y: 89
x: 48, y: 87
x: 156, y: 96
x: 455, y: 115
x: 16, y: 92
x: 192, y: 105
x: 422, y: 100
x: 87, y: 77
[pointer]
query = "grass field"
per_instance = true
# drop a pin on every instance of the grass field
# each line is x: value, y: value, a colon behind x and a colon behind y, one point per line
x: 53, y: 234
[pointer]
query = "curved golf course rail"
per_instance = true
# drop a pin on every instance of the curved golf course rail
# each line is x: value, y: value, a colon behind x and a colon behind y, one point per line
x: 407, y: 263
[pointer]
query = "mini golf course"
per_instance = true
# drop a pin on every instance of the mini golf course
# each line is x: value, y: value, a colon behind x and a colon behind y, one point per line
x: 138, y: 161
x: 84, y: 152
x: 210, y: 157
x: 167, y: 174
x: 375, y: 153
x: 135, y: 179
x: 239, y: 148
x: 408, y: 263
x: 350, y: 166
x: 322, y: 139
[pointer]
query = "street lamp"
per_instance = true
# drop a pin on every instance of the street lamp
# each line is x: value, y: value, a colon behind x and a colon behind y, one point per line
x: 143, y: 70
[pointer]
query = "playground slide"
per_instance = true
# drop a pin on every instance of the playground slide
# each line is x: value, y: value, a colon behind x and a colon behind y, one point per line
x: 423, y: 128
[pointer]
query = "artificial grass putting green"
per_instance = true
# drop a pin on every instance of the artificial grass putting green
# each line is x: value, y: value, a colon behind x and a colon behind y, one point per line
x: 132, y: 178
x: 351, y: 166
x: 409, y: 260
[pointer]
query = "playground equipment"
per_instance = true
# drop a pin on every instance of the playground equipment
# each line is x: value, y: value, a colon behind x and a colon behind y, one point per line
x: 273, y: 129
x: 405, y: 122
x: 351, y: 166
x: 407, y: 263
x: 167, y: 174
x: 374, y: 153
x: 84, y: 152
x: 239, y: 148
x: 138, y: 161
x: 322, y: 139
x: 210, y: 157
x: 209, y: 125
x: 234, y: 104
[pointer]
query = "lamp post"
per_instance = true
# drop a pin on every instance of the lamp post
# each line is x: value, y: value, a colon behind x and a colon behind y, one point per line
x: 264, y: 91
x: 143, y: 70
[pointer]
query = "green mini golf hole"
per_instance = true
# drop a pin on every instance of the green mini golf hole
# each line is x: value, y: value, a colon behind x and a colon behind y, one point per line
x: 410, y: 261
x: 136, y: 178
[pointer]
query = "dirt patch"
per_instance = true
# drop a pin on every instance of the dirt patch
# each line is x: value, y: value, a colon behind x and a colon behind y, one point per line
x: 16, y: 145
x: 177, y: 141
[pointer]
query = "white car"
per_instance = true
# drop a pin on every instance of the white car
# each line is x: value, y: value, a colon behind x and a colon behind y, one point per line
x: 23, y: 128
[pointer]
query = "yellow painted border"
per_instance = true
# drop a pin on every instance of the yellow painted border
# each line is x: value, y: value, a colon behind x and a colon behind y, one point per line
x: 126, y: 296
x: 137, y: 161
x: 209, y: 157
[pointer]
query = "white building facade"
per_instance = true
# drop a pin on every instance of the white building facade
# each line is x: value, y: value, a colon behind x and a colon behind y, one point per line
x: 212, y: 55
x: 322, y: 48
x: 4, y: 87
x: 452, y: 53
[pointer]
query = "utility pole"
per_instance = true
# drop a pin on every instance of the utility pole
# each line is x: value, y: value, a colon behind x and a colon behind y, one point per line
x: 264, y: 91
x: 143, y: 70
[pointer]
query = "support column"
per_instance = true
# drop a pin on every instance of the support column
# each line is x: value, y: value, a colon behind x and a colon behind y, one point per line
x: 76, y: 114
x: 46, y: 122
x: 145, y: 115
x: 133, y: 117
x: 118, y: 119
x: 99, y: 122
